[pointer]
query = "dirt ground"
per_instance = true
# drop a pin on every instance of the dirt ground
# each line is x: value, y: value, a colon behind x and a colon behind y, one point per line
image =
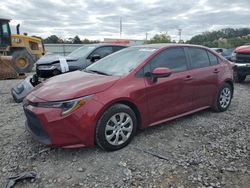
x: 205, y: 149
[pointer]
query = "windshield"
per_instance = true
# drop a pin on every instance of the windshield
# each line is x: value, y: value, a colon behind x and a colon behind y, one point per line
x: 82, y: 51
x: 121, y: 62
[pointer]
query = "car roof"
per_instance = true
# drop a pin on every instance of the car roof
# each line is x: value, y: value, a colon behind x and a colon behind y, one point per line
x: 106, y: 44
x: 5, y: 19
x: 217, y: 48
x: 164, y: 45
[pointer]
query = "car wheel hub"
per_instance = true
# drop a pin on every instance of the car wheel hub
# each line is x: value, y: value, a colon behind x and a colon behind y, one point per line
x: 225, y: 97
x: 22, y: 62
x: 119, y: 128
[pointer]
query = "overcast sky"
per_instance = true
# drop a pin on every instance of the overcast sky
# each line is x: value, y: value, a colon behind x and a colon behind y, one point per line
x: 97, y: 19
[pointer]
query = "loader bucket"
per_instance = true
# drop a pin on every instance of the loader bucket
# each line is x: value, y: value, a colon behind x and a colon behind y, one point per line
x: 6, y: 69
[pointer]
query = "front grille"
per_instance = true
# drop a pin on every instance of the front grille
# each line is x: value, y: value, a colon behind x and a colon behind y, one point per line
x: 44, y: 74
x: 35, y: 127
x: 243, y: 57
x: 47, y: 73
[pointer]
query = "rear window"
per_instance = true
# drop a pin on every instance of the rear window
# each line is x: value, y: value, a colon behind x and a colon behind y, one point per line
x: 199, y: 58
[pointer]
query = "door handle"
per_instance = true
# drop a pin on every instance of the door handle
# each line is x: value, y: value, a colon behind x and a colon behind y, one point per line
x: 188, y: 77
x: 216, y: 71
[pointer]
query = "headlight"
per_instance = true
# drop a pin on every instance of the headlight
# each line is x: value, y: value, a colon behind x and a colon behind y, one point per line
x: 66, y: 106
x: 46, y: 67
x: 233, y: 58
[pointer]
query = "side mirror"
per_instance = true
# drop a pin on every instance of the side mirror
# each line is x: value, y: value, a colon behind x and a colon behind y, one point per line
x: 95, y: 57
x: 160, y: 72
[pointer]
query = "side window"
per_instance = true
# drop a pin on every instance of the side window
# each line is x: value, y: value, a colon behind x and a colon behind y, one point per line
x: 33, y: 45
x: 5, y: 30
x: 213, y: 59
x: 117, y: 48
x: 4, y: 35
x: 103, y: 51
x: 199, y: 58
x: 173, y: 58
x: 143, y: 71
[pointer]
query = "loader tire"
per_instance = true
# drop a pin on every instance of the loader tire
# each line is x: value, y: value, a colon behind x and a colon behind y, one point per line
x: 22, y: 61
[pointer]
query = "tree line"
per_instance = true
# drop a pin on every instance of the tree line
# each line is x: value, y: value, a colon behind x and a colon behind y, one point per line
x: 224, y: 38
x: 53, y: 39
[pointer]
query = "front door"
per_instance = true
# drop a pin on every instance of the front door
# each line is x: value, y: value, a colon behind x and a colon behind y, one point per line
x: 170, y: 96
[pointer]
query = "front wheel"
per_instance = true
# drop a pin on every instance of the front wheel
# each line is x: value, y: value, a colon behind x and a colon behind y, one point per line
x: 116, y: 127
x: 224, y: 98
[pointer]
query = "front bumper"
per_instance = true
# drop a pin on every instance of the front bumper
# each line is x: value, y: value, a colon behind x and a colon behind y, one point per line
x: 242, y: 68
x: 21, y: 90
x: 34, y: 126
x: 74, y: 130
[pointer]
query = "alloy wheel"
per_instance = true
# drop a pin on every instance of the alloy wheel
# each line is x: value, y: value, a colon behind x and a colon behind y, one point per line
x: 119, y: 128
x: 225, y: 97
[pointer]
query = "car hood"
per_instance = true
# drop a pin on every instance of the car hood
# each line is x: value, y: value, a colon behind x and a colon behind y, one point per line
x: 243, y: 49
x: 54, y: 58
x: 73, y: 85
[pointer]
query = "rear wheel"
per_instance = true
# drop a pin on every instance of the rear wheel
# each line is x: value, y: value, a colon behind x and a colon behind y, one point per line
x: 224, y: 98
x: 22, y: 60
x: 116, y: 127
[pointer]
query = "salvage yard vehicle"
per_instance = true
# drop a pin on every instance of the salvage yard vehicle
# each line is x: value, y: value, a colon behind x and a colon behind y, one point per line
x: 132, y: 89
x: 18, y: 53
x: 53, y: 64
x: 80, y: 58
x: 227, y: 53
x: 241, y: 57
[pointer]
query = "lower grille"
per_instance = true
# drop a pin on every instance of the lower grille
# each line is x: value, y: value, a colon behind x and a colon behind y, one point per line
x: 36, y: 128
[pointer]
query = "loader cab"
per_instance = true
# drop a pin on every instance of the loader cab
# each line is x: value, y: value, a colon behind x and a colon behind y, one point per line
x: 5, y: 34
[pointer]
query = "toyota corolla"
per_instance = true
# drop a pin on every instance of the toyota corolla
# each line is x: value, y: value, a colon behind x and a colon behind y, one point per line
x: 137, y: 87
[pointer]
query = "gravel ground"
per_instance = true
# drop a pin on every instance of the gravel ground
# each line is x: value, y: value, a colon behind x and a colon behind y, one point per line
x: 205, y: 149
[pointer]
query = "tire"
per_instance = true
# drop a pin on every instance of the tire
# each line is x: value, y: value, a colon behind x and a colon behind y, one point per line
x: 238, y: 78
x: 110, y: 124
x: 22, y: 60
x: 224, y: 98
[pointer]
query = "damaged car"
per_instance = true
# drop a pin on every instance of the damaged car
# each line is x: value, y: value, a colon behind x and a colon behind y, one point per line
x: 52, y: 64
x: 137, y: 87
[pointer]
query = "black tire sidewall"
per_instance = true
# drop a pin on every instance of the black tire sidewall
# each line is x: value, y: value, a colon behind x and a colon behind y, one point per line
x: 219, y: 107
x: 22, y: 53
x: 101, y: 125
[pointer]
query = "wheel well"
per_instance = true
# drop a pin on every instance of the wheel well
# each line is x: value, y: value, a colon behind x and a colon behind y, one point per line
x: 12, y: 49
x: 230, y: 83
x: 134, y: 108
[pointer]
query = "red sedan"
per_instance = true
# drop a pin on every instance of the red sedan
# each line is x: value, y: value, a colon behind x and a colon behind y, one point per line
x: 131, y: 89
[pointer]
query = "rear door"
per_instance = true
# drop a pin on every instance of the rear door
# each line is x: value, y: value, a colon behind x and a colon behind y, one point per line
x: 204, y: 76
x: 169, y: 96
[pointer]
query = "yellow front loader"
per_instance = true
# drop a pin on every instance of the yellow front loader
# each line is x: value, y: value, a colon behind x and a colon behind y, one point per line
x: 18, y: 53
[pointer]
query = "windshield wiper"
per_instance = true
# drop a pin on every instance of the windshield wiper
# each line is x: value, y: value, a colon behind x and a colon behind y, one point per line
x: 97, y: 72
